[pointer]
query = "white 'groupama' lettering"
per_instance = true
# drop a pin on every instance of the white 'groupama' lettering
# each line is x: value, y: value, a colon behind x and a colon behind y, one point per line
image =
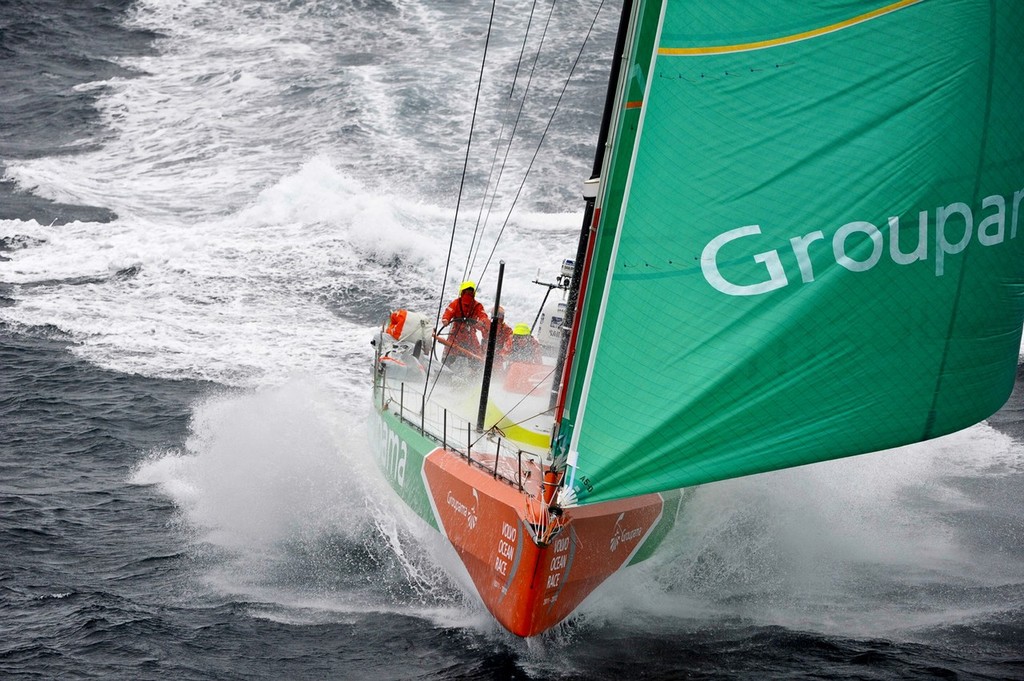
x: 954, y: 229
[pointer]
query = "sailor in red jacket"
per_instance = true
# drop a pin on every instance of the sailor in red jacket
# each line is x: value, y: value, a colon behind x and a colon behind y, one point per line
x: 523, y: 347
x: 466, y: 316
x: 502, y: 339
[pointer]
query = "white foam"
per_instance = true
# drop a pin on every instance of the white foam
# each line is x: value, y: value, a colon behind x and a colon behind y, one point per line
x: 264, y: 165
x: 260, y: 466
x: 277, y: 485
x: 851, y: 546
x: 253, y: 297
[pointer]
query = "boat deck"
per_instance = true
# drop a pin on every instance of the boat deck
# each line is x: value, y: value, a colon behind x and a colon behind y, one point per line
x: 514, y: 444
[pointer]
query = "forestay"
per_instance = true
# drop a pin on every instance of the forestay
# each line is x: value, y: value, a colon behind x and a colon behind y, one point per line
x: 810, y: 238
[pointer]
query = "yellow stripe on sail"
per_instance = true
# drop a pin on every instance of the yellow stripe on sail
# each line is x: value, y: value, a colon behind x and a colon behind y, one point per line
x: 785, y: 40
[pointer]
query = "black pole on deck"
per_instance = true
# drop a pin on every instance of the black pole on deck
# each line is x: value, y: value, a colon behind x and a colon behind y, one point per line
x: 485, y: 389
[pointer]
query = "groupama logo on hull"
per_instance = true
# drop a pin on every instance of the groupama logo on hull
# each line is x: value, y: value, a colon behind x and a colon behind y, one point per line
x: 392, y: 452
x: 953, y: 228
x: 621, y: 536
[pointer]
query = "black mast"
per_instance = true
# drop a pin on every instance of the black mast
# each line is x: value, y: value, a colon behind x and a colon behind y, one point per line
x: 588, y: 212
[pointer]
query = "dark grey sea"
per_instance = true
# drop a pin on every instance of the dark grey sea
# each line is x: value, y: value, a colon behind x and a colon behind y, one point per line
x: 205, y: 206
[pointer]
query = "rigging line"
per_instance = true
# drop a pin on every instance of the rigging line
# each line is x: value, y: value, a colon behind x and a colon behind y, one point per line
x: 542, y: 413
x: 430, y: 393
x: 522, y: 49
x: 511, y: 137
x: 462, y: 184
x: 543, y: 135
x: 537, y: 385
x: 510, y: 409
x: 473, y: 244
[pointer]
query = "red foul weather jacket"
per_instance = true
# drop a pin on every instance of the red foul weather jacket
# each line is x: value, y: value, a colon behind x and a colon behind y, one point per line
x: 461, y: 312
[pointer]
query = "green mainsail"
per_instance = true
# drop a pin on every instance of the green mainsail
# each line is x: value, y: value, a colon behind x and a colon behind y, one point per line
x: 810, y: 238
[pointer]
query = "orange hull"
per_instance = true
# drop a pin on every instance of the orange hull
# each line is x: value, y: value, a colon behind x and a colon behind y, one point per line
x: 528, y: 576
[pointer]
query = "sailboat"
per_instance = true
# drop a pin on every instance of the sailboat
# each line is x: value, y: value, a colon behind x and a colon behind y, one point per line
x: 801, y: 241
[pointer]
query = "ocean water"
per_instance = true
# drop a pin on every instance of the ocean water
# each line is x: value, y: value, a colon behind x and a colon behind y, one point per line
x: 205, y: 208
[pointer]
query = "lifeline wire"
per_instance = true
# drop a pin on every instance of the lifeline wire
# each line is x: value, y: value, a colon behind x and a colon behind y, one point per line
x: 523, y: 399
